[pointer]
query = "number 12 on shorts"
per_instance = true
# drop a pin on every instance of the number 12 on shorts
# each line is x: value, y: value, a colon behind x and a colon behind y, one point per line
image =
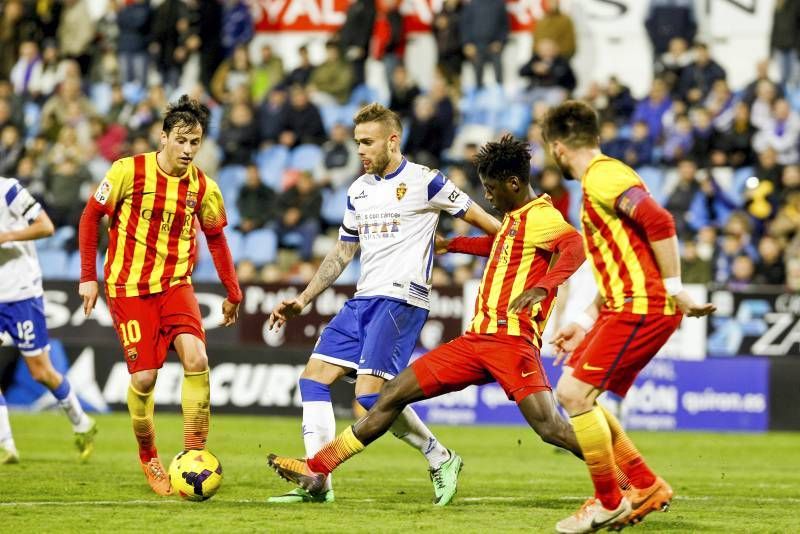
x: 130, y: 332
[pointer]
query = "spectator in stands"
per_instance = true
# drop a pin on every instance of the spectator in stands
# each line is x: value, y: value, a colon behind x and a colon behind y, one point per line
x: 56, y: 108
x: 768, y: 167
x: 168, y: 35
x: 762, y: 75
x: 781, y: 133
x: 51, y: 70
x: 694, y: 269
x: 766, y: 94
x: 729, y: 249
x: 267, y: 74
x: 787, y: 221
x: 11, y: 149
x: 14, y: 30
x: 678, y: 140
x: 446, y: 32
x: 440, y: 277
x: 712, y: 205
x: 484, y: 28
x: 426, y: 132
x: 26, y: 75
x: 301, y: 74
x: 793, y: 274
x: 551, y: 77
x: 620, y: 103
x: 698, y: 77
x: 233, y: 72
x: 299, y: 208
x: 134, y: 22
x: 736, y: 141
x: 671, y: 63
x: 784, y: 40
x: 640, y: 150
x: 332, y: 80
x: 237, y: 25
x: 551, y: 182
x: 402, y: 92
x: 301, y: 122
x: 355, y: 34
x: 742, y: 270
x: 441, y: 95
x: 611, y: 144
x: 64, y: 183
x: 680, y: 199
x: 388, y: 42
x: 651, y: 110
x: 31, y: 177
x: 270, y: 116
x: 340, y: 162
x: 239, y: 135
x: 789, y: 183
x: 76, y: 30
x: 256, y: 202
x: 770, y: 268
x: 719, y: 103
x: 558, y: 27
x: 667, y: 19
x: 703, y: 135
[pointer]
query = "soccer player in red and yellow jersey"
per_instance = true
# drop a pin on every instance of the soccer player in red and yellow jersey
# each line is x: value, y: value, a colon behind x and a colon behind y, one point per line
x: 633, y: 250
x: 534, y: 251
x: 154, y: 202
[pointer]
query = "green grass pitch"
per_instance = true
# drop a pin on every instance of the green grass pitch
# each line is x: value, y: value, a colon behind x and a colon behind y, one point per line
x: 511, y: 482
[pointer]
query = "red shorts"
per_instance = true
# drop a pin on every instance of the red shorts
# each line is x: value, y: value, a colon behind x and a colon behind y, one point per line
x: 480, y: 359
x: 148, y: 324
x: 618, y: 346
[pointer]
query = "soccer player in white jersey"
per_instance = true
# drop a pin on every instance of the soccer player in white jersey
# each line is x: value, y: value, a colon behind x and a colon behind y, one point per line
x: 392, y: 213
x: 23, y: 220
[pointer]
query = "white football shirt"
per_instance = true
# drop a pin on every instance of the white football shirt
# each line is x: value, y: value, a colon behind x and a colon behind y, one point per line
x: 394, y: 221
x: 20, y: 274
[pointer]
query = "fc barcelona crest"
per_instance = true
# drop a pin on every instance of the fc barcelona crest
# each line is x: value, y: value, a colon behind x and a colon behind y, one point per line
x: 132, y: 353
x: 191, y: 199
x: 401, y: 190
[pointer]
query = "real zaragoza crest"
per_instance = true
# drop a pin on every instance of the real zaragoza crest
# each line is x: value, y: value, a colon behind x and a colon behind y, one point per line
x: 401, y: 190
x: 191, y: 199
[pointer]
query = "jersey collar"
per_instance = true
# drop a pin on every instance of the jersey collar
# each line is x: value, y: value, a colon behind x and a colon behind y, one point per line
x: 395, y: 173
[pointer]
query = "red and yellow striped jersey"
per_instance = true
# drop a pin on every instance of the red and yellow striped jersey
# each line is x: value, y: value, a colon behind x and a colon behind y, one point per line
x: 152, y: 243
x: 521, y: 255
x: 622, y: 259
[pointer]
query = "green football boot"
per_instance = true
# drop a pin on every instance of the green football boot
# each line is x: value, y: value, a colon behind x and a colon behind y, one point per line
x: 445, y: 479
x: 299, y: 495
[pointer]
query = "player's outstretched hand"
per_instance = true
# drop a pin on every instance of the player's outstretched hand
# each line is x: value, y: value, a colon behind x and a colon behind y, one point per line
x: 528, y: 298
x: 230, y: 312
x: 285, y: 311
x: 566, y: 340
x: 440, y: 244
x: 690, y: 308
x: 88, y: 292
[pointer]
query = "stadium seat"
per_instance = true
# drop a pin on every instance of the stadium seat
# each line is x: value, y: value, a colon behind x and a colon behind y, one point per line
x: 54, y: 264
x: 363, y: 94
x: 271, y: 163
x: 232, y: 213
x: 235, y: 243
x: 204, y: 271
x: 331, y: 115
x: 260, y: 246
x: 230, y: 180
x: 654, y: 179
x: 100, y: 95
x: 334, y: 203
x: 515, y: 118
x: 305, y: 157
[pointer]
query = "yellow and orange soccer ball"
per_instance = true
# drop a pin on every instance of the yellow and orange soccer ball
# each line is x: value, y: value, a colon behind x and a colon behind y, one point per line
x: 195, y: 475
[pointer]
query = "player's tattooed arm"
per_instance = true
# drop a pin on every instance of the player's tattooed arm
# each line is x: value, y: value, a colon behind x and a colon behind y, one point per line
x: 329, y: 270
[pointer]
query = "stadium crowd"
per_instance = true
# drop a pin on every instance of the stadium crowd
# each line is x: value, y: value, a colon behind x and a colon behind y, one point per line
x: 77, y: 93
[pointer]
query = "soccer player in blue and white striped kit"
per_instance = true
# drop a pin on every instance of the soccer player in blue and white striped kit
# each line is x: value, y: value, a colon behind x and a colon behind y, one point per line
x: 392, y: 213
x: 22, y: 220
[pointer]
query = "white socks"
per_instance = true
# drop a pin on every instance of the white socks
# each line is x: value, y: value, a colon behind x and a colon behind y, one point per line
x: 319, y: 428
x: 6, y: 438
x: 410, y: 428
x: 72, y: 407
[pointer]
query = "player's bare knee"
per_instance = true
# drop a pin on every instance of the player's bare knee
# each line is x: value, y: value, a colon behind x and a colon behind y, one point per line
x: 322, y: 372
x: 144, y: 381
x: 195, y: 362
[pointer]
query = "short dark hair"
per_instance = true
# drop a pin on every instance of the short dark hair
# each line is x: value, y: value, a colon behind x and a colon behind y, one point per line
x: 574, y: 123
x: 500, y: 160
x: 185, y: 114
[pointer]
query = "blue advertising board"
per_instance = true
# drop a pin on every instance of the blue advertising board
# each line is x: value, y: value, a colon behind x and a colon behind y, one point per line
x: 713, y: 394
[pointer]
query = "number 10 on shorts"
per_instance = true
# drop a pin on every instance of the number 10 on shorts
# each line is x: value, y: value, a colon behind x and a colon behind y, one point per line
x: 130, y: 332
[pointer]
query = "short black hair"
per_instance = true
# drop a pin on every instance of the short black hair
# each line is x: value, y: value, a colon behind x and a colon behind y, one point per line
x: 500, y: 160
x: 185, y: 114
x: 574, y: 123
